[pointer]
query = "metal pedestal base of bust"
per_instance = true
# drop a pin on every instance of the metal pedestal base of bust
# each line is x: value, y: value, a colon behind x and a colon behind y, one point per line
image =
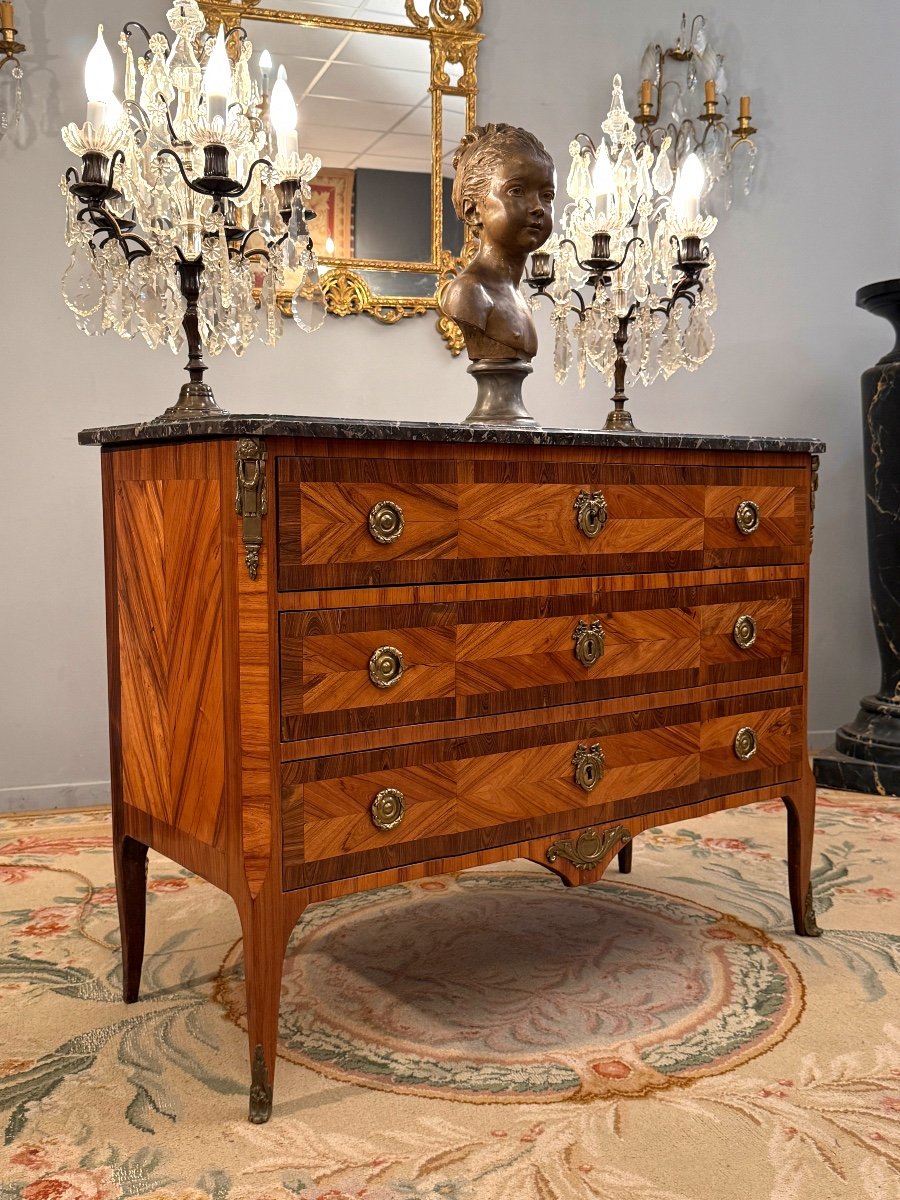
x: 500, y: 393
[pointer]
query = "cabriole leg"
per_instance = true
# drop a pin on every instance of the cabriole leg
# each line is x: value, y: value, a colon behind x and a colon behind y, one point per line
x: 130, y: 861
x: 801, y: 815
x: 625, y: 858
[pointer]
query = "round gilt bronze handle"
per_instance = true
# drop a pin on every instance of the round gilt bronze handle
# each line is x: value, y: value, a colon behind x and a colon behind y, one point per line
x: 388, y: 809
x: 591, y: 512
x: 744, y: 632
x: 385, y: 521
x: 746, y: 516
x: 588, y: 642
x: 589, y: 766
x: 745, y: 743
x: 386, y: 666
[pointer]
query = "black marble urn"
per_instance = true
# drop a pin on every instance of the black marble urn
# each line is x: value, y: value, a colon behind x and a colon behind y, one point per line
x: 866, y: 753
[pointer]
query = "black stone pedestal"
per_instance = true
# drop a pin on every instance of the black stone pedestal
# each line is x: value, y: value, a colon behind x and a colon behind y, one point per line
x: 866, y: 753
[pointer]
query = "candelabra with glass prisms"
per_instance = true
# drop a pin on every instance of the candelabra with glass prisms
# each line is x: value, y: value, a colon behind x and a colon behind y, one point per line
x: 633, y: 236
x: 181, y: 217
x: 11, y: 79
x: 672, y: 107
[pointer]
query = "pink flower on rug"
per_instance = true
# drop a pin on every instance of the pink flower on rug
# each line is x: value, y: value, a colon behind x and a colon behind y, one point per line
x: 103, y: 896
x: 611, y: 1068
x: 167, y: 885
x: 881, y: 893
x: 11, y: 874
x: 52, y: 921
x: 32, y: 1156
x: 74, y: 1185
x: 50, y: 846
x: 719, y: 843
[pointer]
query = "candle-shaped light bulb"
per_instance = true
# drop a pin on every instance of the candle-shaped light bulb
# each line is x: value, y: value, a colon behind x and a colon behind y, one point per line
x: 283, y: 115
x: 603, y: 180
x: 646, y: 93
x: 217, y: 80
x: 745, y: 108
x: 99, y: 78
x: 688, y: 188
x: 7, y: 17
x: 265, y: 69
x: 710, y: 91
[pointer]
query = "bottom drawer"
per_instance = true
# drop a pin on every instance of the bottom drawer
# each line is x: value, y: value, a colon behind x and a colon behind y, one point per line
x: 352, y: 814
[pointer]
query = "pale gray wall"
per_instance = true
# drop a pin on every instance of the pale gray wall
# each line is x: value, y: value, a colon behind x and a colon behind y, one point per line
x: 791, y: 345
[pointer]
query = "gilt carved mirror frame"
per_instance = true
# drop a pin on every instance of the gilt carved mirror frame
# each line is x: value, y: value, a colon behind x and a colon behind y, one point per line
x: 449, y: 27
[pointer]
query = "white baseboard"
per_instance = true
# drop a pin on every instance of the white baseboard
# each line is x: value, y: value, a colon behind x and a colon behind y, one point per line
x: 60, y: 795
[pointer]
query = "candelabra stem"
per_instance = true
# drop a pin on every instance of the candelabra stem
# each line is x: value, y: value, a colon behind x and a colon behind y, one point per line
x: 619, y: 418
x: 196, y: 397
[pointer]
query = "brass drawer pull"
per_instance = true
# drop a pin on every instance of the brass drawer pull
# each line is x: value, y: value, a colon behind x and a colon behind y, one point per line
x: 746, y: 516
x: 386, y: 666
x: 385, y: 521
x: 590, y: 512
x: 588, y: 642
x: 744, y: 632
x: 745, y: 743
x: 588, y: 766
x: 388, y: 809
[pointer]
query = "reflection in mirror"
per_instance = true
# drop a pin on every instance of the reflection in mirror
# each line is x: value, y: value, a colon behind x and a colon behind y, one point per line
x: 384, y: 90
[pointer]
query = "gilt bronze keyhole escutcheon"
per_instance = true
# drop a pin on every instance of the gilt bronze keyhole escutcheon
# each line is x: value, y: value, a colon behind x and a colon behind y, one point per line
x: 385, y: 521
x: 589, y: 641
x: 590, y: 512
x: 388, y: 809
x: 589, y: 765
x: 746, y: 516
x: 744, y: 632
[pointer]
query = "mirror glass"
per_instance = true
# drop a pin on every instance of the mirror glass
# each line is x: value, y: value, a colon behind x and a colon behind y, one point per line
x: 383, y: 99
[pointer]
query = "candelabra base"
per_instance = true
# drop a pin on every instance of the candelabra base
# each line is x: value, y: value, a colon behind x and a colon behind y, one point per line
x: 194, y: 400
x: 499, y: 400
x: 619, y: 419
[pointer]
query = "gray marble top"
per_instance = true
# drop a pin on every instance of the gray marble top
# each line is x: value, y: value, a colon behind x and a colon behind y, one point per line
x: 432, y: 431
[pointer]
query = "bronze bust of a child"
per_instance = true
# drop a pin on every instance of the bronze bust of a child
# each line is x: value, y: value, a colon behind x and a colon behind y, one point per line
x: 504, y: 190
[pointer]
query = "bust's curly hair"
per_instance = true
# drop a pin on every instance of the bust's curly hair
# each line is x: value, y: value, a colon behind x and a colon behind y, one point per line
x: 481, y: 151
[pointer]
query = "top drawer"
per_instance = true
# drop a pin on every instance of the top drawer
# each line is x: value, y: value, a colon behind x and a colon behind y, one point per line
x: 357, y: 522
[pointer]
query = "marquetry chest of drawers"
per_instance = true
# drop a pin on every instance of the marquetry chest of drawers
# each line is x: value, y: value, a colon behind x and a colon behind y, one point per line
x: 343, y: 655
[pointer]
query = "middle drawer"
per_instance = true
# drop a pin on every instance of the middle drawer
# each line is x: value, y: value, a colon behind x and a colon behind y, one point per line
x: 346, y: 670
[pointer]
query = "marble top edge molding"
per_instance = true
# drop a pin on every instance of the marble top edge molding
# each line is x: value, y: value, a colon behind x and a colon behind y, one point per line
x: 432, y: 431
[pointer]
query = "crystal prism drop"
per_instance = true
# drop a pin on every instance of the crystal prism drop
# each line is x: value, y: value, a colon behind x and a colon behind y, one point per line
x: 308, y: 303
x: 82, y: 286
x: 662, y: 172
x: 562, y: 351
x: 699, y: 338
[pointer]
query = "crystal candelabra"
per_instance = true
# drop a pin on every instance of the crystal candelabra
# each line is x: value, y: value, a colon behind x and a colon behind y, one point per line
x: 181, y: 215
x: 11, y: 79
x: 632, y: 235
x: 672, y: 108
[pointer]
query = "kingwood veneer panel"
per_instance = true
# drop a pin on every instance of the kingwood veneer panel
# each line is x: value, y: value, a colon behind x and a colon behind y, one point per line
x: 477, y: 658
x: 496, y: 518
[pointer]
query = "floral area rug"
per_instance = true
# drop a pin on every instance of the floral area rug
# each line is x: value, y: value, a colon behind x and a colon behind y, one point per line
x: 486, y: 1036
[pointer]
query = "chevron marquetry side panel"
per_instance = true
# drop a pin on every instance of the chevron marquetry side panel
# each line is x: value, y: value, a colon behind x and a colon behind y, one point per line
x: 169, y: 598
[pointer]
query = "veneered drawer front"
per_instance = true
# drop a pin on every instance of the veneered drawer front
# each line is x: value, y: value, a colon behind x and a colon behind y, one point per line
x: 752, y: 637
x: 328, y: 660
x: 460, y: 795
x: 747, y: 741
x: 329, y: 525
x: 477, y: 658
x: 464, y: 788
x: 541, y: 519
x: 458, y: 520
x: 757, y: 520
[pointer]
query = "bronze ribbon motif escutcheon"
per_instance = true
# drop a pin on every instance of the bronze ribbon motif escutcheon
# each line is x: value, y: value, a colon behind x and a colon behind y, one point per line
x: 589, y: 642
x: 589, y: 766
x: 591, y: 512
